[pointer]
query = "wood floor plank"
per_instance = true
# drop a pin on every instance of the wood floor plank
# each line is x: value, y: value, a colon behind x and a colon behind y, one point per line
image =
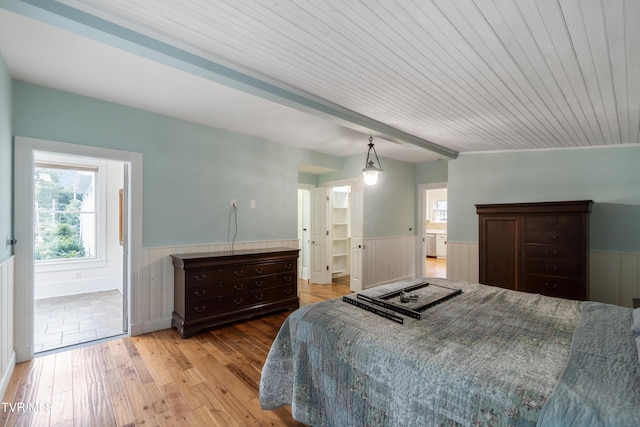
x: 26, y: 393
x: 102, y: 409
x: 81, y: 398
x: 139, y: 403
x: 158, y: 379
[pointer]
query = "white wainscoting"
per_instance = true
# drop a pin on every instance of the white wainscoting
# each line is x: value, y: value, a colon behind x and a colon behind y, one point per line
x: 463, y: 261
x: 614, y: 278
x: 152, y: 307
x: 388, y: 259
x: 7, y: 352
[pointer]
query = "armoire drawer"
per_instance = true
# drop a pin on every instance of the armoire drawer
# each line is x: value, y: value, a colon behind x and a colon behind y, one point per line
x: 553, y: 252
x: 555, y: 237
x: 551, y: 268
x: 553, y: 222
x: 554, y: 286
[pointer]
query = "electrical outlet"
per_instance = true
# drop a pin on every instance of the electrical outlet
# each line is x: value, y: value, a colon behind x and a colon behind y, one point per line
x: 233, y: 203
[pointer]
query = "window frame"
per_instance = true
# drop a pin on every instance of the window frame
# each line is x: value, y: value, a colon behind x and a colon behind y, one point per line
x: 78, y: 163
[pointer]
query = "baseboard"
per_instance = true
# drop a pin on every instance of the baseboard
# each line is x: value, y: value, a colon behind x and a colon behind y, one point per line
x: 8, y: 372
x: 148, y: 327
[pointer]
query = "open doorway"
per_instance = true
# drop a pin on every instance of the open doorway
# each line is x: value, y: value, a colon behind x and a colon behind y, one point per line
x: 330, y: 233
x: 78, y: 250
x: 433, y: 229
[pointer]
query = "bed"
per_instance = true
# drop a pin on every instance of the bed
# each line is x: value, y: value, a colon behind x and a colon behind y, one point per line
x: 488, y: 356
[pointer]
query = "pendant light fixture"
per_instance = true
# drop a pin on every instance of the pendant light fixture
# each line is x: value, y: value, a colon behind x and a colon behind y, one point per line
x: 371, y: 172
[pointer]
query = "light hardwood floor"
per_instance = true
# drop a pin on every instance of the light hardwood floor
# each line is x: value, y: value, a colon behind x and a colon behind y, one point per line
x: 435, y: 267
x: 156, y: 379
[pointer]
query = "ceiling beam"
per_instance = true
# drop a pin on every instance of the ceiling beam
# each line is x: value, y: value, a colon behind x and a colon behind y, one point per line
x: 90, y: 26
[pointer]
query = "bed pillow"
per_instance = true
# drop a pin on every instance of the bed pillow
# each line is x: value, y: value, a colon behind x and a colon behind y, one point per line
x: 636, y: 321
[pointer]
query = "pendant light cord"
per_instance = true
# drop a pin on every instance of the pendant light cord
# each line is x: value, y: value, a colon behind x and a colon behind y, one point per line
x: 233, y: 210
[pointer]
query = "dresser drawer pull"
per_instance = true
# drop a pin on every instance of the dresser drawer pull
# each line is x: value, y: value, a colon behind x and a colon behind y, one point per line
x: 258, y: 270
x: 200, y: 309
x: 200, y: 293
x: 552, y: 253
x: 551, y: 268
x: 200, y: 278
x: 551, y: 221
x: 259, y: 284
x: 552, y: 236
x: 238, y: 286
x: 288, y: 278
x: 238, y: 301
x: 238, y: 273
x: 288, y: 291
x: 259, y: 297
x: 551, y: 285
x: 288, y: 266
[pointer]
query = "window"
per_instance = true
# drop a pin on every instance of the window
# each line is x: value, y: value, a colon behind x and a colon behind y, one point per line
x: 440, y: 211
x: 65, y: 212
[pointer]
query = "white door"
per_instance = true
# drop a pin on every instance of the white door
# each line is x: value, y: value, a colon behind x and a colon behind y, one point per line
x: 319, y: 235
x: 357, y: 236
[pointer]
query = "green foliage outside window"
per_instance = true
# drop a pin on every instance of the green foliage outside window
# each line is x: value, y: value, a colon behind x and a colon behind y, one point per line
x: 58, y: 230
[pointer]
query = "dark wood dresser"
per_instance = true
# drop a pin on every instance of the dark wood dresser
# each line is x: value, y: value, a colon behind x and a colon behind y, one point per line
x: 211, y: 289
x: 536, y: 247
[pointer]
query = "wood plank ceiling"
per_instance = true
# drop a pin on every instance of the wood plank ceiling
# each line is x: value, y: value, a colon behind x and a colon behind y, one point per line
x: 469, y: 75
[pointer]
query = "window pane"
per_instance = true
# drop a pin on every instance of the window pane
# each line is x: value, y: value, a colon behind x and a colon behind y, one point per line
x: 65, y: 223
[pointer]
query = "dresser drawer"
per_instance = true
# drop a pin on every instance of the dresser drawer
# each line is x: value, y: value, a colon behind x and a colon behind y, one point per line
x: 206, y: 292
x: 204, y: 308
x: 214, y: 275
x: 566, y: 269
x: 555, y: 237
x: 553, y: 253
x: 273, y: 294
x: 553, y: 222
x: 555, y: 286
x: 271, y: 268
x: 275, y: 280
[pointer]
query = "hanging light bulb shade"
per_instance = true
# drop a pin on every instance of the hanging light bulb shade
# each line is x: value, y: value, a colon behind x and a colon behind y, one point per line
x: 370, y: 171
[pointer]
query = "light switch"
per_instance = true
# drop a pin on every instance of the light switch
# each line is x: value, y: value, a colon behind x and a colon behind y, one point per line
x: 253, y: 204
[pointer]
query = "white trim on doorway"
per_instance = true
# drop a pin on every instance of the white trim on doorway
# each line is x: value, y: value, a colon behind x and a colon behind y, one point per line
x: 24, y: 264
x: 422, y: 214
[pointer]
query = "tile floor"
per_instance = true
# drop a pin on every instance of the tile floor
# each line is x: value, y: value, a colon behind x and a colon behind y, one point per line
x: 74, y: 319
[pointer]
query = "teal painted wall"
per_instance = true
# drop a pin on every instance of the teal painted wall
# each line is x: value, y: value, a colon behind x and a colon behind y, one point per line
x: 608, y: 176
x: 390, y: 205
x: 191, y: 171
x: 307, y: 178
x: 432, y: 172
x: 6, y: 162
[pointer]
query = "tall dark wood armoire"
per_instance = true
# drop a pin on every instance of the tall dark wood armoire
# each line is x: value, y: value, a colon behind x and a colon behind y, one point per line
x: 536, y: 247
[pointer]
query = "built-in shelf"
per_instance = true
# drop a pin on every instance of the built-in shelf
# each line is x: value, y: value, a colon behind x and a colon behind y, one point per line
x: 341, y: 231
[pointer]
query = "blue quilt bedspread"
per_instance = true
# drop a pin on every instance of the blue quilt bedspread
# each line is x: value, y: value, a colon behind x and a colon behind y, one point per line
x: 600, y: 385
x: 486, y: 357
